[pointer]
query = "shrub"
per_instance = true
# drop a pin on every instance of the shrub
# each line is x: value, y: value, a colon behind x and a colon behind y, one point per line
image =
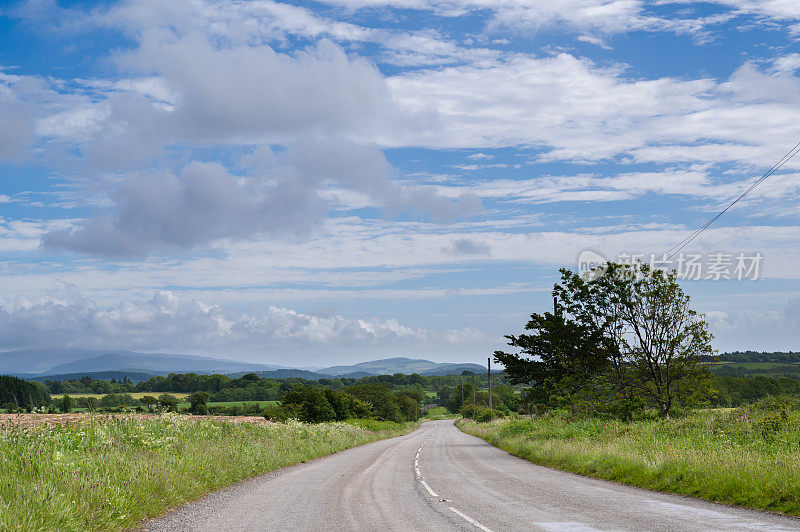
x: 65, y: 404
x: 276, y: 413
x: 91, y: 403
x: 149, y: 402
x: 168, y: 402
x: 313, y: 405
x: 484, y: 415
x: 114, y: 400
x: 198, y: 402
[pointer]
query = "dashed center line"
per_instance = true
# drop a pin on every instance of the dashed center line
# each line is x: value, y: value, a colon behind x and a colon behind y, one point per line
x: 434, y: 494
x: 470, y: 520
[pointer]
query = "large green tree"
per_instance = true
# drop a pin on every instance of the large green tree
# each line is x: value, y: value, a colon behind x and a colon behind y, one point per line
x: 624, y: 335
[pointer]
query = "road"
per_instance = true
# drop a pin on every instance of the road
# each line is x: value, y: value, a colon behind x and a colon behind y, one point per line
x: 438, y: 478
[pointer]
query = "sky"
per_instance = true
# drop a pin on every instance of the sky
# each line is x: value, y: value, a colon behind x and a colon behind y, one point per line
x: 330, y: 182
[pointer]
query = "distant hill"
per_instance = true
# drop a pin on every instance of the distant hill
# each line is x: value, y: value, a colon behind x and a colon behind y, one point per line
x: 61, y: 364
x: 390, y: 366
x: 284, y: 374
x: 158, y: 363
x: 133, y: 376
x: 29, y: 362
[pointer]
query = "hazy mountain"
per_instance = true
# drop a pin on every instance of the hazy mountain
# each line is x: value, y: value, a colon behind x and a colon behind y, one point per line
x: 74, y: 363
x: 133, y: 376
x: 37, y: 361
x: 158, y: 363
x: 390, y: 366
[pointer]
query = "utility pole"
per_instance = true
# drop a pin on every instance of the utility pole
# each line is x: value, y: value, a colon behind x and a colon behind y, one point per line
x: 473, y: 395
x: 462, y: 390
x: 489, y: 366
x: 555, y: 305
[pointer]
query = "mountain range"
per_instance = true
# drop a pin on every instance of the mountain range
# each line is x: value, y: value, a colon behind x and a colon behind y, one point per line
x: 70, y: 364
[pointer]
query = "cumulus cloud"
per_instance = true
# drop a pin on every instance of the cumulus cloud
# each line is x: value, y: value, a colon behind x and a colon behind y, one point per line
x: 205, y: 202
x: 576, y: 110
x: 64, y: 317
x: 467, y: 246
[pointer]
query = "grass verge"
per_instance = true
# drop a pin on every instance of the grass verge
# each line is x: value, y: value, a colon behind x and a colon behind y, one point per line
x: 743, y: 457
x: 110, y: 474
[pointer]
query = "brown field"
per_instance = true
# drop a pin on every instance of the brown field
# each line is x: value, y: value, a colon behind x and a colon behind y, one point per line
x: 30, y: 420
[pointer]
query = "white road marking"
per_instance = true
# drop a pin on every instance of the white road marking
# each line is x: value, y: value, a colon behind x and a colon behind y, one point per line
x: 471, y: 520
x: 425, y: 485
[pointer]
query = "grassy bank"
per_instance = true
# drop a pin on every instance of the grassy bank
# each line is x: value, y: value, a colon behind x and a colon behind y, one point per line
x: 99, y: 475
x: 747, y: 457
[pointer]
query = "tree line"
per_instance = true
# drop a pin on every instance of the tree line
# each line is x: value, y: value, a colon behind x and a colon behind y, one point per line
x: 17, y: 393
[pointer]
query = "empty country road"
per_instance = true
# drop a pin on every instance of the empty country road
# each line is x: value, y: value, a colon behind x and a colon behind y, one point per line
x: 438, y: 478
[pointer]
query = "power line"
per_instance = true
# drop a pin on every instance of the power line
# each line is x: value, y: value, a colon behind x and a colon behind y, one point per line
x: 686, y: 241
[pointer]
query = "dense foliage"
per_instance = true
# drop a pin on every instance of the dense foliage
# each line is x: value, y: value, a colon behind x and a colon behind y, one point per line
x: 621, y: 341
x: 17, y: 393
x: 790, y: 357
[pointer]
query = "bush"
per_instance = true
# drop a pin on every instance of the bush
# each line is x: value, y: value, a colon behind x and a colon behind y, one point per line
x: 91, y: 403
x: 65, y: 404
x: 168, y: 402
x: 484, y: 415
x: 198, y: 402
x: 149, y: 402
x: 312, y: 404
x: 115, y: 400
x: 276, y: 413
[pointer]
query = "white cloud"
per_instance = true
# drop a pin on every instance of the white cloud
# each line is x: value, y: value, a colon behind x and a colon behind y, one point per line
x: 64, y: 317
x: 156, y: 211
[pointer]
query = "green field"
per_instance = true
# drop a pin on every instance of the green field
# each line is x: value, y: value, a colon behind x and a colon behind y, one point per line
x: 748, y: 457
x: 107, y: 475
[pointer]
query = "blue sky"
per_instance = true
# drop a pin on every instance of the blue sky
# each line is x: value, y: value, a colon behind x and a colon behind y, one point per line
x: 323, y: 182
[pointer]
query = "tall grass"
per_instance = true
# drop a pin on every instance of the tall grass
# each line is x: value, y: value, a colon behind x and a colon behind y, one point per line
x: 748, y: 457
x: 110, y: 474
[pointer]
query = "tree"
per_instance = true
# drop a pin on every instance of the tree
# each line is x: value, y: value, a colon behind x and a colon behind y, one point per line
x: 310, y: 403
x: 618, y: 338
x: 198, y: 403
x: 663, y: 338
x: 168, y: 402
x: 559, y: 356
x: 65, y: 404
x: 91, y: 403
x: 149, y: 402
x: 21, y: 393
x: 384, y: 406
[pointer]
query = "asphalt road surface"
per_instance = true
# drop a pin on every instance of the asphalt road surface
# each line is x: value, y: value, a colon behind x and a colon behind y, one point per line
x: 438, y: 478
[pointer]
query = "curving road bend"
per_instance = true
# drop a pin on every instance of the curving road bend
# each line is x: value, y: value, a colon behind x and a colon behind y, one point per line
x: 438, y: 478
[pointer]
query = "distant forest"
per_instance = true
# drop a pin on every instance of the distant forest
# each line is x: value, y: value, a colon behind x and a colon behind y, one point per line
x: 756, y: 356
